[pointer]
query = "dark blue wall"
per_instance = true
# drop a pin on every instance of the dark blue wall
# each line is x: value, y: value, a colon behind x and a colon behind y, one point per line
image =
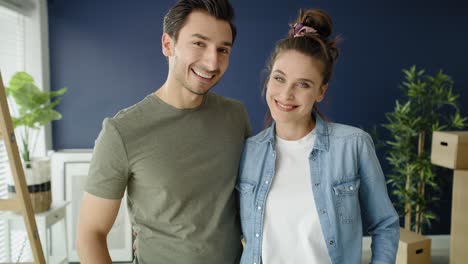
x: 108, y: 53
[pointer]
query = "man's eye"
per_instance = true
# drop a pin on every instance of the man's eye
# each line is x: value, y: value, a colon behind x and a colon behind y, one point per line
x: 223, y: 50
x: 199, y: 44
x: 303, y: 85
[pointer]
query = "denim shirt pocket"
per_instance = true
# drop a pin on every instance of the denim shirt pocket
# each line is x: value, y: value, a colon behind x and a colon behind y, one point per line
x: 347, y: 200
x: 246, y: 191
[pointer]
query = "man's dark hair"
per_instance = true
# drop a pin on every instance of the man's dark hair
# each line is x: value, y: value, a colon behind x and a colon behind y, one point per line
x: 176, y: 17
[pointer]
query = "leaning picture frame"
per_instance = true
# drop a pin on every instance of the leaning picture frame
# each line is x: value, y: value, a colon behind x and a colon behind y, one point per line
x: 69, y: 169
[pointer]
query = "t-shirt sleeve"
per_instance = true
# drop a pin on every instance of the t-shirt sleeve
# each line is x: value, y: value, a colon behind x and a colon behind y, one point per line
x: 108, y: 172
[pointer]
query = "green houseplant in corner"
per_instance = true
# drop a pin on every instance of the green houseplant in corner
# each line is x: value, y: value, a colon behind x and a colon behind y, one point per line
x: 31, y: 110
x: 429, y: 105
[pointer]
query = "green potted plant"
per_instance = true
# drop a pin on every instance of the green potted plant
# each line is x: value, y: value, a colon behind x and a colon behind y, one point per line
x: 31, y: 110
x: 428, y: 105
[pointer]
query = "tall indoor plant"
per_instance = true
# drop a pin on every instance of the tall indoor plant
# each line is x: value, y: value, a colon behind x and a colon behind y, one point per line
x: 34, y: 108
x: 428, y: 105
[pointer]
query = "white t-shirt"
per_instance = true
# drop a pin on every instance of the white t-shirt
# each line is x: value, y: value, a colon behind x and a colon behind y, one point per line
x: 291, y: 227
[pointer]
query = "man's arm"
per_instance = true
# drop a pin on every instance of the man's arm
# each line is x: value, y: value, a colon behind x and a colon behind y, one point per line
x: 97, y: 215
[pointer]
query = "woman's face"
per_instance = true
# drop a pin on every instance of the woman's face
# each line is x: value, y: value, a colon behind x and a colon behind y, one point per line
x: 294, y: 86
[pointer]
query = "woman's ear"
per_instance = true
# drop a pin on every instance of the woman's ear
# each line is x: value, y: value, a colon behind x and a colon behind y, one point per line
x: 322, y: 91
x: 167, y: 43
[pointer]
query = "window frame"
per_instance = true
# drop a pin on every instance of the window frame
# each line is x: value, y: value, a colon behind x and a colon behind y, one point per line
x: 36, y: 63
x: 36, y: 53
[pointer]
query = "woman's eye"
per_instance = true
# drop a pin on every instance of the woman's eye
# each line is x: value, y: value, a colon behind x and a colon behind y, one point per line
x: 278, y: 78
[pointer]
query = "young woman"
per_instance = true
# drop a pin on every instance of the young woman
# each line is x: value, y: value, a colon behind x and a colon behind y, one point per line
x: 307, y: 185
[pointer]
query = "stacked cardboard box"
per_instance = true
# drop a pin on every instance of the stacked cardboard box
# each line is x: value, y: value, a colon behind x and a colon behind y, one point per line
x: 450, y: 150
x: 413, y: 248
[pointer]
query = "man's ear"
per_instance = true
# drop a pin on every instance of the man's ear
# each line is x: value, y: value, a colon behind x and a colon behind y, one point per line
x: 323, y: 90
x: 167, y: 43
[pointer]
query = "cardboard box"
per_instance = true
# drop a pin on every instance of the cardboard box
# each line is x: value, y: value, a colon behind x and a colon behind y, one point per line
x: 459, y: 225
x: 450, y: 149
x: 413, y: 248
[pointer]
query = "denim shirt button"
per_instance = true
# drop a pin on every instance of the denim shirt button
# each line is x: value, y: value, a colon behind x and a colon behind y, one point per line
x: 257, y: 235
x: 351, y: 188
x: 332, y: 242
x: 317, y: 184
x: 324, y: 211
x: 259, y: 208
x: 266, y: 182
x: 313, y: 155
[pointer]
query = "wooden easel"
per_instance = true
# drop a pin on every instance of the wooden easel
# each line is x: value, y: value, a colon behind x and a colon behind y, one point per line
x: 22, y: 202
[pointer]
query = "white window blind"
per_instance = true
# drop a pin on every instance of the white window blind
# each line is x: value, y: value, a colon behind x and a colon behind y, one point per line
x: 12, y: 43
x: 12, y: 59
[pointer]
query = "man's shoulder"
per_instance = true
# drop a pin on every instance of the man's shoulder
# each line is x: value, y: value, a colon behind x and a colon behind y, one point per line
x: 223, y: 101
x: 132, y: 111
x: 130, y: 119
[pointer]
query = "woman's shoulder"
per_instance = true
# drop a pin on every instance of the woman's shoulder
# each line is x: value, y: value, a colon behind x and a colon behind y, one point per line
x: 338, y: 130
x: 262, y: 137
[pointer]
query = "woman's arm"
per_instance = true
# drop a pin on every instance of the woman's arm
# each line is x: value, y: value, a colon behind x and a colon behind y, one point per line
x: 378, y: 213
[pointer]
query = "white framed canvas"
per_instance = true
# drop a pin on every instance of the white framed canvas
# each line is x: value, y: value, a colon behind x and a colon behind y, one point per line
x: 69, y: 173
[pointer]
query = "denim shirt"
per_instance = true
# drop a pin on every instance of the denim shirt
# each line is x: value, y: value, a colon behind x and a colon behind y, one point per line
x: 348, y: 186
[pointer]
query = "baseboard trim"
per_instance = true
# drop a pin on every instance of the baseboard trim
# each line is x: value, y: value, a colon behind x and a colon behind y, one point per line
x: 439, y: 243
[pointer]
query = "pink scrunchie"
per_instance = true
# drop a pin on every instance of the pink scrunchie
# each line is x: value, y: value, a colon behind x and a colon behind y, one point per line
x: 300, y: 30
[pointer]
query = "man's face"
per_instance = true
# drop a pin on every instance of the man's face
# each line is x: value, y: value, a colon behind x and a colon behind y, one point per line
x: 199, y: 58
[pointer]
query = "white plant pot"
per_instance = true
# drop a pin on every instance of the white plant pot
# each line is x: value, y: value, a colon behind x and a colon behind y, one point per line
x: 38, y: 183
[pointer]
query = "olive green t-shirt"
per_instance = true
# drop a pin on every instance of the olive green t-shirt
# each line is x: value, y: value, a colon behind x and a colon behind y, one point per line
x: 179, y: 167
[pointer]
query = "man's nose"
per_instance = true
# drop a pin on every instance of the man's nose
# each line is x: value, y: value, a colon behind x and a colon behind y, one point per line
x: 211, y: 59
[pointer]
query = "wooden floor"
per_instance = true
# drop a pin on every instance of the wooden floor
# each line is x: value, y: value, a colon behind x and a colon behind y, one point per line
x: 437, y: 257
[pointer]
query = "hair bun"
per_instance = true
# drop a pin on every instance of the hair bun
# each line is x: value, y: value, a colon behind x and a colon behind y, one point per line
x: 316, y: 19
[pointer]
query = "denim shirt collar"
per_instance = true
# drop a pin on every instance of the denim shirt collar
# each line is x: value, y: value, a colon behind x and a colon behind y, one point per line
x: 321, y: 132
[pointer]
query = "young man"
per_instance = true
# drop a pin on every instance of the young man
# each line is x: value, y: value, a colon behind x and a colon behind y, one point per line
x: 176, y: 153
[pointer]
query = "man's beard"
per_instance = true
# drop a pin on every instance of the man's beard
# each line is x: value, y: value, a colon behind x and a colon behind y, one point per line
x: 190, y: 89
